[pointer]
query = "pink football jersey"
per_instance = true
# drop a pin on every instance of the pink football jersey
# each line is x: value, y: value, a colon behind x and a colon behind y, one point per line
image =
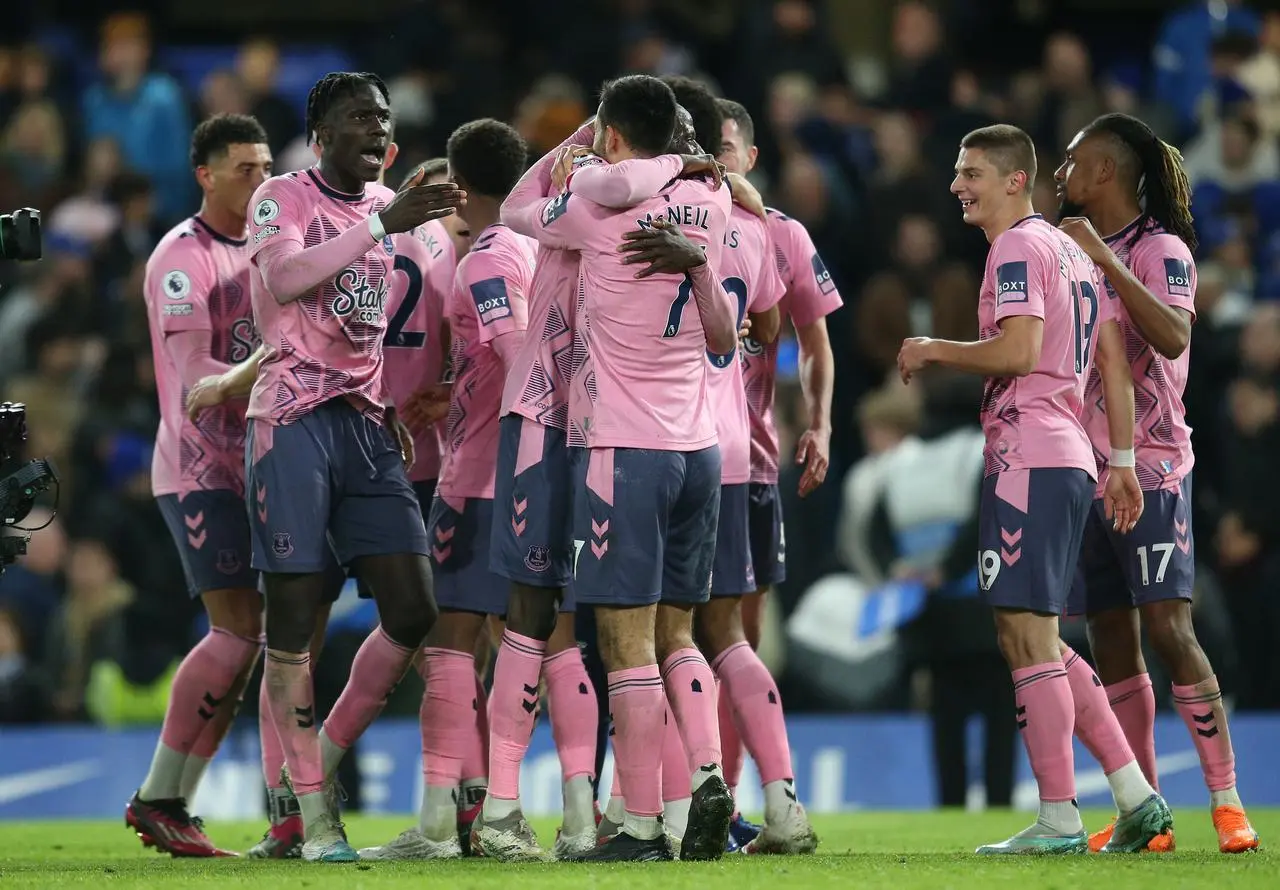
x: 644, y: 384
x: 197, y: 281
x: 328, y: 343
x: 489, y: 300
x: 555, y: 350
x: 414, y: 348
x: 1034, y: 421
x: 1162, y: 439
x: 749, y: 272
x: 810, y: 295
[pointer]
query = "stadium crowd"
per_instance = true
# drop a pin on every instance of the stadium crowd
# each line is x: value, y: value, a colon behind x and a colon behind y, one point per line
x: 95, y: 127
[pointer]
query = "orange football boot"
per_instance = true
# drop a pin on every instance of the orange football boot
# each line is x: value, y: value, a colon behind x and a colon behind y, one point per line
x: 1163, y: 843
x: 1235, y: 834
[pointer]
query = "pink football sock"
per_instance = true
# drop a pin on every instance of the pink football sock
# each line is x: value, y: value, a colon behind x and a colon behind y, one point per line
x: 1096, y: 724
x: 1134, y: 704
x: 637, y: 703
x: 615, y: 788
x: 1046, y: 717
x: 272, y: 752
x: 512, y: 704
x: 1201, y: 709
x: 676, y: 775
x: 449, y: 722
x: 573, y: 718
x: 201, y: 686
x: 691, y: 689
x: 475, y: 761
x: 378, y: 666
x: 754, y: 698
x: 730, y: 739
x: 210, y: 740
x: 287, y: 676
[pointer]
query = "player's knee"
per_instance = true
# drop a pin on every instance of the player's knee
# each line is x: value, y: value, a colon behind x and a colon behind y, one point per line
x: 410, y: 624
x: 718, y: 625
x: 1115, y: 639
x: 236, y: 611
x: 673, y: 630
x: 1172, y: 633
x: 289, y: 632
x: 753, y: 616
x: 531, y: 611
x: 564, y: 636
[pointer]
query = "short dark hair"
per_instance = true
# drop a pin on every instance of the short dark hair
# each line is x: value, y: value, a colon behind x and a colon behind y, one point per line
x: 430, y: 167
x: 214, y: 135
x: 737, y: 112
x: 700, y: 102
x: 1009, y: 148
x: 489, y: 155
x: 334, y: 86
x: 642, y: 109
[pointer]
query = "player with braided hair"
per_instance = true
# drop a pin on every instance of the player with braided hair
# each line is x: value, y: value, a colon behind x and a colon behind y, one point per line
x: 1122, y: 179
x: 325, y: 453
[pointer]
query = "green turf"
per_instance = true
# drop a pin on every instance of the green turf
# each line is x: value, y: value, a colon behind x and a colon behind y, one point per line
x: 902, y: 851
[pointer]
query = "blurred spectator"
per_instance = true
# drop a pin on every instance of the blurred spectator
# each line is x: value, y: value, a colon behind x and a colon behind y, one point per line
x: 1232, y: 157
x: 143, y: 111
x: 32, y: 587
x: 222, y: 93
x: 920, y: 73
x: 24, y: 689
x: 257, y: 67
x: 1260, y: 75
x: 1071, y: 100
x: 34, y: 142
x: 89, y: 627
x: 1183, y: 49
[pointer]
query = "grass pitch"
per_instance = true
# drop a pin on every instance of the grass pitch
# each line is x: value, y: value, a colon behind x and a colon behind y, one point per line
x: 903, y: 851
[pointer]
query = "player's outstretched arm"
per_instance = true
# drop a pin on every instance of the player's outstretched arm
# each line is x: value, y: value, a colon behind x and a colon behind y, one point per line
x: 1014, y: 352
x: 628, y: 182
x: 233, y: 383
x: 290, y: 270
x: 716, y: 308
x: 1167, y: 328
x: 1123, y: 495
x: 520, y: 210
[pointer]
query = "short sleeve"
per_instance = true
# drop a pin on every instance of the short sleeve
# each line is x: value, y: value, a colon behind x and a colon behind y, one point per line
x: 1020, y: 276
x: 1164, y: 265
x: 492, y: 287
x: 567, y: 221
x: 770, y: 289
x: 812, y: 292
x: 180, y: 277
x: 275, y: 214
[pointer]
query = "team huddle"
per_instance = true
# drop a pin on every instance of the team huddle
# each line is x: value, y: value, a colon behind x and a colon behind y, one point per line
x: 512, y: 394
x: 497, y: 394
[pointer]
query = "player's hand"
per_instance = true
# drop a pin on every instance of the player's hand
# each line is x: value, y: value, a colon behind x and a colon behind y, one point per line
x: 1122, y: 499
x: 696, y: 165
x: 663, y: 246
x: 207, y: 393
x: 744, y: 330
x: 427, y: 406
x: 417, y: 204
x: 746, y: 195
x: 564, y: 164
x: 813, y: 452
x: 401, y: 434
x: 1084, y: 234
x: 913, y: 356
